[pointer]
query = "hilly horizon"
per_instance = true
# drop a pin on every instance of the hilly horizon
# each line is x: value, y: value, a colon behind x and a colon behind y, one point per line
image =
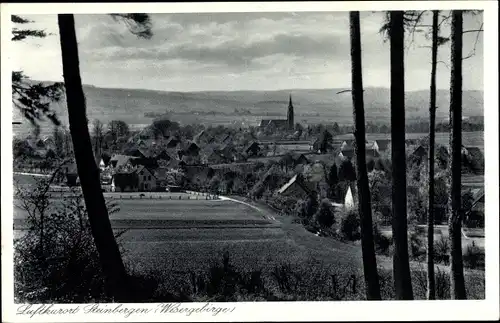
x: 138, y: 107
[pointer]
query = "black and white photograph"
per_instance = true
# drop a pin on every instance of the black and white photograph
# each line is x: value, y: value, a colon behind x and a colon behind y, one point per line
x: 213, y: 157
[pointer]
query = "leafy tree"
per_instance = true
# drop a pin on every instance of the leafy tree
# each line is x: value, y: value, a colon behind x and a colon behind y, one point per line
x: 325, y: 141
x: 333, y: 180
x: 214, y: 184
x: 346, y: 171
x: 98, y: 136
x: 117, y: 129
x: 166, y: 127
x: 325, y: 216
x: 58, y: 137
x: 308, y: 208
x: 33, y: 99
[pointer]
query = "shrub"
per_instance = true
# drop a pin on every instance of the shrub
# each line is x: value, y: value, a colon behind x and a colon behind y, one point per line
x: 382, y: 242
x: 442, y: 250
x: 416, y: 247
x: 473, y: 257
x: 325, y: 217
x: 55, y: 258
x: 350, y: 226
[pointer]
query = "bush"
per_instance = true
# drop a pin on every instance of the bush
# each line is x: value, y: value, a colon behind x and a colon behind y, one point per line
x: 473, y: 257
x: 325, y: 217
x: 382, y: 242
x: 442, y: 250
x: 416, y: 247
x: 350, y: 226
x: 55, y: 258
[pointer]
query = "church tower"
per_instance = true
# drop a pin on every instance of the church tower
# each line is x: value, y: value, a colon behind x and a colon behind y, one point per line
x: 290, y: 114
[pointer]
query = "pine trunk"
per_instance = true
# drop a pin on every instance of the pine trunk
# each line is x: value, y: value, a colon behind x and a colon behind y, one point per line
x: 109, y: 254
x: 455, y: 217
x: 431, y: 283
x: 364, y: 203
x: 401, y: 265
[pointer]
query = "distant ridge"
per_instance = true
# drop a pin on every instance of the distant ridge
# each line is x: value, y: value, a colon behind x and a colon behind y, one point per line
x: 222, y: 107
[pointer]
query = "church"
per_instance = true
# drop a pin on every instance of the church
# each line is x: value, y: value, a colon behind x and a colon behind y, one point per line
x: 287, y: 123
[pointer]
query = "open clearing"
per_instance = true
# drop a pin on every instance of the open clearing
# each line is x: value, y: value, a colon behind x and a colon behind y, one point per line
x: 184, y: 235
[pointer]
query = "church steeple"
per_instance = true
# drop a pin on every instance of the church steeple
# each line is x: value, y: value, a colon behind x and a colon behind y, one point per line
x: 290, y: 114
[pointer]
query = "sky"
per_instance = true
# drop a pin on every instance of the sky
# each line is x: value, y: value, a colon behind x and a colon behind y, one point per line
x: 240, y: 51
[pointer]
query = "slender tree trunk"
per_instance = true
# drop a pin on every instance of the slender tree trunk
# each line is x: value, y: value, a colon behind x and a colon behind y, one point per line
x: 455, y: 217
x: 401, y: 265
x: 104, y: 239
x: 364, y: 203
x: 431, y: 286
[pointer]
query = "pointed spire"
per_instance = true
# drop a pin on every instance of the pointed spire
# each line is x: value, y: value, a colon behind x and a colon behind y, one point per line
x: 290, y: 101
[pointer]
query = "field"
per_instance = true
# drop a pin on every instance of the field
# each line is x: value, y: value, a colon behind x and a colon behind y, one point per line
x: 183, y: 235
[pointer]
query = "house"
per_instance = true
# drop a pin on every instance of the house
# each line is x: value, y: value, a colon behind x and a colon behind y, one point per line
x: 473, y: 158
x: 125, y: 182
x: 346, y: 154
x: 163, y: 155
x: 474, y: 215
x: 299, y: 159
x: 146, y: 179
x: 189, y: 149
x: 253, y: 149
x: 218, y: 157
x: 118, y: 161
x: 371, y: 153
x: 138, y: 152
x: 296, y: 188
x: 274, y: 123
x: 419, y: 152
x: 173, y: 142
x: 203, y: 137
x: 383, y: 145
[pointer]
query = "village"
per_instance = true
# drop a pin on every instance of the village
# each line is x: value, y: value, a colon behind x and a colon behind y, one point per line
x: 214, y: 159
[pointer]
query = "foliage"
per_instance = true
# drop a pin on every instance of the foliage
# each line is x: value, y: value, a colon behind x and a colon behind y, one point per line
x: 165, y: 127
x: 347, y: 171
x: 325, y: 216
x: 118, y: 128
x: 442, y: 250
x: 474, y: 257
x: 55, y: 258
x: 416, y: 246
x: 350, y: 226
x: 382, y: 242
x: 325, y: 141
x: 307, y: 209
x: 33, y: 99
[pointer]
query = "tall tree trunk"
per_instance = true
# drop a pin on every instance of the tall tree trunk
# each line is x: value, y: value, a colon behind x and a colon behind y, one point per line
x: 104, y: 239
x: 401, y: 265
x: 364, y: 203
x: 455, y: 217
x: 431, y: 283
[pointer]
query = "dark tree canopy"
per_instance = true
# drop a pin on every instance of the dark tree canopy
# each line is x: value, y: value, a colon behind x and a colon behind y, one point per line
x: 33, y: 99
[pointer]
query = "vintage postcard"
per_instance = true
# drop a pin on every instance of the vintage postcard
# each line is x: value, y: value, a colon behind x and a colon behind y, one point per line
x: 260, y: 161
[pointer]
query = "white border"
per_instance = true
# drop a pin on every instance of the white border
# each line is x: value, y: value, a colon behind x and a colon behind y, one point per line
x: 283, y: 311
